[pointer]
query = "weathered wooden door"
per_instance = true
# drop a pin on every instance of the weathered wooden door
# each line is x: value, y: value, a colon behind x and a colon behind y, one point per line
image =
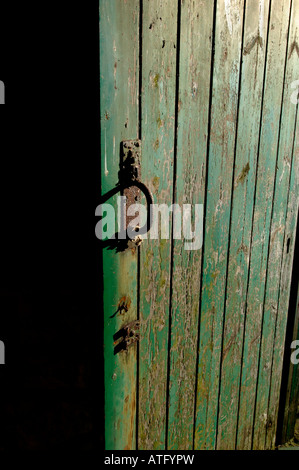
x: 209, y: 87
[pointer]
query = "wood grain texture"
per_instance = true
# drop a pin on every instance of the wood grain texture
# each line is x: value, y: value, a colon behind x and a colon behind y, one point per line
x: 254, y: 47
x: 212, y: 337
x: 159, y: 40
x: 119, y: 58
x: 194, y: 91
x: 277, y: 233
x: 228, y: 36
x: 277, y: 41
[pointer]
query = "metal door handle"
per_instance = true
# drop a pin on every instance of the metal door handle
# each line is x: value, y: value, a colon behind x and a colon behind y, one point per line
x: 129, y: 175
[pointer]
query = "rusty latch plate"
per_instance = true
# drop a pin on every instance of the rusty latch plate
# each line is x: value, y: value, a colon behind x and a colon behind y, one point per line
x: 130, y: 170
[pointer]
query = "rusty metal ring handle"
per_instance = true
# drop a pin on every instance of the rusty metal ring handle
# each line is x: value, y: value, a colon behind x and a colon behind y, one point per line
x: 149, y: 201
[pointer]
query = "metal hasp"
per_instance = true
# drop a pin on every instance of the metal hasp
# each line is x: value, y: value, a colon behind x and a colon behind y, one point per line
x: 130, y: 171
x: 131, y: 187
x: 127, y: 336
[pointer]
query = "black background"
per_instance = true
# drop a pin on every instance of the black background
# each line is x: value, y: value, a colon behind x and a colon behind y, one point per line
x: 50, y: 318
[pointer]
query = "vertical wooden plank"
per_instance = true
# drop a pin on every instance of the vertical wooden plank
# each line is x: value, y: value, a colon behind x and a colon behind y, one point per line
x: 279, y: 21
x: 228, y: 38
x: 284, y: 163
x: 119, y: 54
x: 284, y: 294
x: 159, y: 41
x: 254, y: 46
x: 194, y: 91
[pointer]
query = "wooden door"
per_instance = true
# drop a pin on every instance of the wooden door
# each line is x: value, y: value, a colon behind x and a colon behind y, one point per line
x: 209, y: 87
